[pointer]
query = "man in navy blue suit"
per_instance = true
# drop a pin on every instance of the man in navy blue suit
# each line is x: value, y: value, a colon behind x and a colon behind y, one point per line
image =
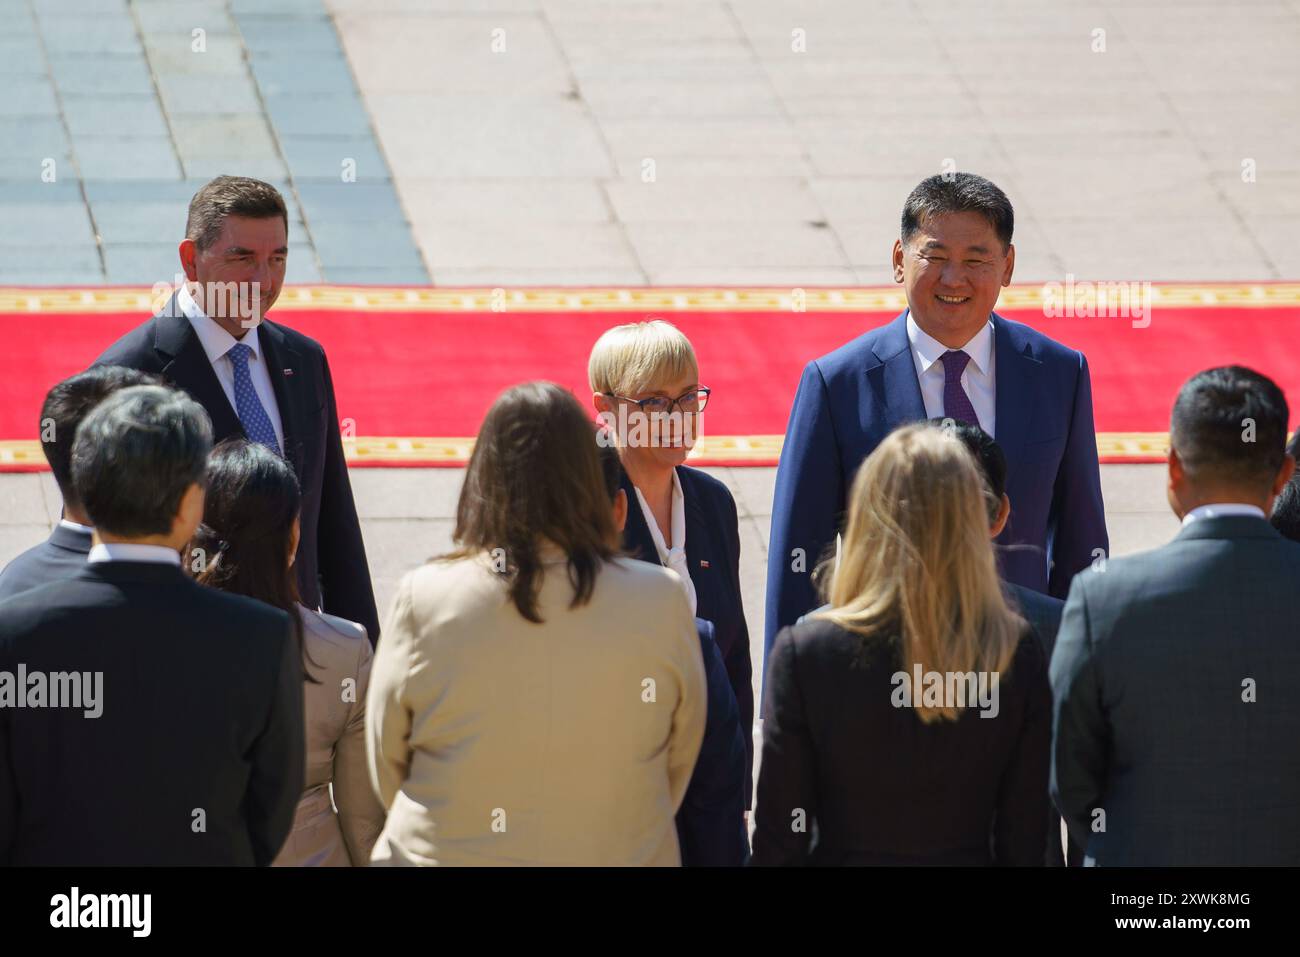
x: 64, y: 553
x: 948, y: 355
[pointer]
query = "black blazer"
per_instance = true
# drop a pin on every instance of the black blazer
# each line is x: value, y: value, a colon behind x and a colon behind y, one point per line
x: 1176, y: 715
x: 60, y: 556
x: 1043, y: 612
x: 713, y: 555
x: 197, y: 754
x: 874, y: 784
x: 331, y: 562
x: 710, y: 823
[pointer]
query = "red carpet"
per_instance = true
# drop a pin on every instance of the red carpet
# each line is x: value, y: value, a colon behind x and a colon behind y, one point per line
x: 428, y: 372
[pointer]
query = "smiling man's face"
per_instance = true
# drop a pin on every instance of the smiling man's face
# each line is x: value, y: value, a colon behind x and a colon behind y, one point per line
x: 952, y: 269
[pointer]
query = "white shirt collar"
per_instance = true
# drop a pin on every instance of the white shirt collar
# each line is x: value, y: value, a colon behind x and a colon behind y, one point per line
x: 675, y: 557
x: 74, y: 527
x: 931, y: 350
x: 1219, y: 509
x: 130, y: 552
x: 216, y: 341
x: 678, y: 527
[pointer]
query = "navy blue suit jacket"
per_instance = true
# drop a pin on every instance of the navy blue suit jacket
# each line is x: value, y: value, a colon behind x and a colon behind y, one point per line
x: 713, y: 555
x: 849, y: 400
x: 60, y: 556
x: 711, y: 821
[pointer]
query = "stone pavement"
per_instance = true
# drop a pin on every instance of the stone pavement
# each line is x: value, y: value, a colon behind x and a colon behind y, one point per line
x: 115, y: 112
x: 631, y: 142
x: 1138, y: 139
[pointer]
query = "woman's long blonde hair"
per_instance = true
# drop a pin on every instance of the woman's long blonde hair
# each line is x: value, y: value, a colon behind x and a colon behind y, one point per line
x: 916, y: 563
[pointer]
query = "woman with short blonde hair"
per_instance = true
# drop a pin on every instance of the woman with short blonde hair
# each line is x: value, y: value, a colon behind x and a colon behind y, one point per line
x: 890, y: 687
x: 645, y: 384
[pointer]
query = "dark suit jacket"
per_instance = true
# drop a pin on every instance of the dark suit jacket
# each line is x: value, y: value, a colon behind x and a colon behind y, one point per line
x: 202, y: 711
x: 331, y: 560
x: 1043, y: 612
x: 713, y: 555
x: 875, y: 784
x: 1176, y: 714
x: 60, y: 556
x: 849, y: 400
x: 711, y: 823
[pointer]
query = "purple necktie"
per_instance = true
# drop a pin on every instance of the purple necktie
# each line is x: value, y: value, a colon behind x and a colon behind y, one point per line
x: 956, y: 403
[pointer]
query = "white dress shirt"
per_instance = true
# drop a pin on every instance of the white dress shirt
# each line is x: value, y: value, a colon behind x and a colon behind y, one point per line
x: 978, y: 378
x: 74, y: 527
x: 675, y: 557
x: 1219, y: 509
x: 217, y: 342
x: 130, y: 552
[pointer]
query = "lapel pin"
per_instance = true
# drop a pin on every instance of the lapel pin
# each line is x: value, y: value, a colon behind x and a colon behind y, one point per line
x: 288, y: 372
x: 704, y: 563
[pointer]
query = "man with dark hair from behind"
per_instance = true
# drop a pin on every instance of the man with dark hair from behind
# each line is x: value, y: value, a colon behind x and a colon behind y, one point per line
x: 64, y: 552
x: 1176, y: 722
x: 711, y: 826
x: 1043, y: 612
x: 170, y: 727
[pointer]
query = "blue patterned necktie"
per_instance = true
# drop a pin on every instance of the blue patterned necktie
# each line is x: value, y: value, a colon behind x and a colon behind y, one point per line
x: 956, y: 403
x: 252, y: 414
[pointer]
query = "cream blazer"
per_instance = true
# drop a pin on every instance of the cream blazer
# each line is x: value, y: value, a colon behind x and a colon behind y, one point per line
x: 340, y: 658
x: 494, y: 740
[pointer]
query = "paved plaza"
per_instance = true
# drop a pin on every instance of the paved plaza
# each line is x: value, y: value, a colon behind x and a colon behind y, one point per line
x: 619, y: 142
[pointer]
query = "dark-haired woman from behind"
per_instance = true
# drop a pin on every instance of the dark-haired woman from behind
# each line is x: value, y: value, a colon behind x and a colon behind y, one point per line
x: 248, y: 540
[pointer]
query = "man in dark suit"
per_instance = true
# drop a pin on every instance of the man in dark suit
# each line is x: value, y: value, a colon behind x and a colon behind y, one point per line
x: 175, y: 735
x: 1177, y: 729
x: 1043, y: 612
x: 259, y: 379
x: 949, y: 355
x: 711, y: 825
x: 64, y: 553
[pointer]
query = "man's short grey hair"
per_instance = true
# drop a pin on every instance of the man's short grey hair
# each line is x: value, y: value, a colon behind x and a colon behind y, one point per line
x: 134, y: 456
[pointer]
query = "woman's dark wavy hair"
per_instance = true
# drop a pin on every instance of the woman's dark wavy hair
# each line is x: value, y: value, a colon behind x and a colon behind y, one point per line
x: 252, y: 500
x: 535, y: 476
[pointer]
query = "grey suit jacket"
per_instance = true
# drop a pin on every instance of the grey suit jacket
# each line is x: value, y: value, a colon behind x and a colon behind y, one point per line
x: 1176, y: 733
